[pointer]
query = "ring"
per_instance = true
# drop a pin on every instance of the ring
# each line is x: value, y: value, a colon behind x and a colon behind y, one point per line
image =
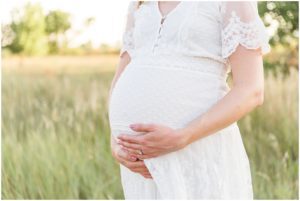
x: 141, y: 152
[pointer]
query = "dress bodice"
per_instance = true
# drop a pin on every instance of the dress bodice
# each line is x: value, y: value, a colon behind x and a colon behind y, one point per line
x: 197, y: 29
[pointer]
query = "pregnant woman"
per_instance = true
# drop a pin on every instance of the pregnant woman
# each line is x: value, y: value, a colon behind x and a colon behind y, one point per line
x: 172, y: 115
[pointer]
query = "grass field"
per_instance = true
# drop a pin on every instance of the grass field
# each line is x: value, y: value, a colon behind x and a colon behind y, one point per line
x: 55, y: 132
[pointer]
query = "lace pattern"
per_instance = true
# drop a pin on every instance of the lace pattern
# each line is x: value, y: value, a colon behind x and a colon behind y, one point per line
x: 127, y: 37
x: 251, y: 35
x: 127, y: 42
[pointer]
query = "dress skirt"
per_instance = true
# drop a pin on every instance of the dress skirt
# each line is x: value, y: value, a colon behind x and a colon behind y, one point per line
x: 174, y: 90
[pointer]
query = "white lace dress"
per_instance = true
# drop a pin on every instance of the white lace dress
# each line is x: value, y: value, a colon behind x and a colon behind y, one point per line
x: 178, y: 70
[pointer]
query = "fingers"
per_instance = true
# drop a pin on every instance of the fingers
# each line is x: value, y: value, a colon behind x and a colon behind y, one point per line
x: 136, y: 153
x: 137, y: 164
x: 132, y: 151
x: 130, y: 145
x: 137, y: 167
x: 147, y: 176
x: 141, y: 170
x: 122, y: 157
x: 145, y: 156
x: 136, y: 139
x: 143, y: 127
x: 124, y: 154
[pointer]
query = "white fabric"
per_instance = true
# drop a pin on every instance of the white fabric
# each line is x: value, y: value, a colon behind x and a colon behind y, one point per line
x: 174, y: 76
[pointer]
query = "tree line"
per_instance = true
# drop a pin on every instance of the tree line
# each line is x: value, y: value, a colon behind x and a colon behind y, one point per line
x: 32, y: 32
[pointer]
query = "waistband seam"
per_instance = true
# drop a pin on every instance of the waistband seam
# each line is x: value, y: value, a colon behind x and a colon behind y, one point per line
x: 188, y: 63
x: 221, y: 76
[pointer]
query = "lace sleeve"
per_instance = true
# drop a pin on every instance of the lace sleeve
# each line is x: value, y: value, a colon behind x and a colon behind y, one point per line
x: 241, y: 24
x: 127, y: 37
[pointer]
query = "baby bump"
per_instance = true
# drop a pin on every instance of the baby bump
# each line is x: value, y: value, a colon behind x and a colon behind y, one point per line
x: 151, y: 94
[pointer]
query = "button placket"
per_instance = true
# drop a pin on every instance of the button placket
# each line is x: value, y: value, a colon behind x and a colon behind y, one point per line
x: 158, y: 38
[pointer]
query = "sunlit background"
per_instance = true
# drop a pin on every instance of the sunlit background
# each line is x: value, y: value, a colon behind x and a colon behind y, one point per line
x: 108, y: 18
x: 58, y: 60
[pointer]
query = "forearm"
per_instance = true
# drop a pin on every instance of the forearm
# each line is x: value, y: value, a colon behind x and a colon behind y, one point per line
x: 234, y: 105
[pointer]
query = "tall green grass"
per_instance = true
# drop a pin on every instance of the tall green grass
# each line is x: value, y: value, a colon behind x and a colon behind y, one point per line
x: 55, y: 137
x: 270, y: 134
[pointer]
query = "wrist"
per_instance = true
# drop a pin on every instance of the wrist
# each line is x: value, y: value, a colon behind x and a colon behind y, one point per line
x: 184, y: 137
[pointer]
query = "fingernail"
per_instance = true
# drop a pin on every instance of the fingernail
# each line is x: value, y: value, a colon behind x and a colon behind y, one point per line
x: 133, y: 158
x: 132, y: 126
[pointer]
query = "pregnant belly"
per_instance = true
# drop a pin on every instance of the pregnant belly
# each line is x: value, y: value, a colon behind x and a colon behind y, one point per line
x: 151, y: 94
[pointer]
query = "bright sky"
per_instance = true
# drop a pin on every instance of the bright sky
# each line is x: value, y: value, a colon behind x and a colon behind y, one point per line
x: 109, y: 16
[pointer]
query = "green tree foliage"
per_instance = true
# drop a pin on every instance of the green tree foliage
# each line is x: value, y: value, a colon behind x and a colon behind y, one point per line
x: 284, y: 42
x: 58, y: 22
x: 28, y: 26
x: 286, y: 15
x: 7, y: 35
x: 31, y: 32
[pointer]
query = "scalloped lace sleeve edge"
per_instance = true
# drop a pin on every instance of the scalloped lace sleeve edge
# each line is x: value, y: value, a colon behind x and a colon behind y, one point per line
x: 251, y: 35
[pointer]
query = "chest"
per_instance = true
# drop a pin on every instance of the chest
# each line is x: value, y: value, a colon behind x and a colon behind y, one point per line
x: 189, y: 20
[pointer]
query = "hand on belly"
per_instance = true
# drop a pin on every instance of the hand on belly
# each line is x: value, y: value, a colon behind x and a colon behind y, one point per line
x: 156, y: 140
x: 131, y: 162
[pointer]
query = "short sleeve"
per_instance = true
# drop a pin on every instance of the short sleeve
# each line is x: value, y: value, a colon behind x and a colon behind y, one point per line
x: 241, y: 24
x: 127, y: 36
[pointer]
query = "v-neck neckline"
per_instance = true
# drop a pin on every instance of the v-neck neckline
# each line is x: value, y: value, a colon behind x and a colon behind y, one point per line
x: 170, y: 12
